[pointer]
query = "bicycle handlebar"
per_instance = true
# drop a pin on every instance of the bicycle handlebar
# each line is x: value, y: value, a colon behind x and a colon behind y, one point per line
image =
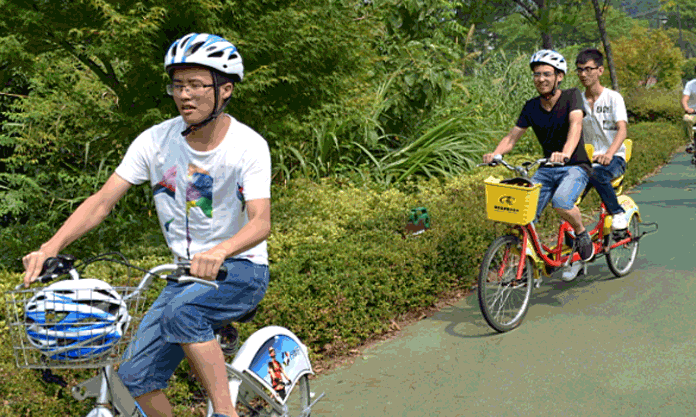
x: 179, y: 272
x: 522, y: 170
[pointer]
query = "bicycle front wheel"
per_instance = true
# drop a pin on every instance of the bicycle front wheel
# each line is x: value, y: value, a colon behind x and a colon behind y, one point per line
x: 503, y: 298
x: 621, y: 258
x: 251, y: 405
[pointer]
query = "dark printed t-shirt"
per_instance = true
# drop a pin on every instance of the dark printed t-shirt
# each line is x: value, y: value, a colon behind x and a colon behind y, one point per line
x: 551, y: 127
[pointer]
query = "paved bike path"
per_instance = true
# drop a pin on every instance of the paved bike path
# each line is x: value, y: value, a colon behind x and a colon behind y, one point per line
x: 598, y: 346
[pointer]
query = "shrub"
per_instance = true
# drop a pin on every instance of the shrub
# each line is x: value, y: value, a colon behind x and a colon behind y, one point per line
x: 653, y: 104
x: 689, y: 69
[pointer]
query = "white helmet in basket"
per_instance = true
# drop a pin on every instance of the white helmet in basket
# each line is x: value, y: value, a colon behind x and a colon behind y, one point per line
x: 549, y: 57
x: 76, y: 319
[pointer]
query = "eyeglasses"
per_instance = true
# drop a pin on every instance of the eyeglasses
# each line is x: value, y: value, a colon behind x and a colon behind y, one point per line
x: 586, y: 69
x: 194, y: 88
x: 546, y: 74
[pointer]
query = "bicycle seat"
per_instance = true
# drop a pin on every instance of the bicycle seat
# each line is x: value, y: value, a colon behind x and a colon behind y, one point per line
x: 247, y: 317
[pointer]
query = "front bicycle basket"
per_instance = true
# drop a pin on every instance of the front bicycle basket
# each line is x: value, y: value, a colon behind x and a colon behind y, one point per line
x: 510, y: 203
x: 89, y: 327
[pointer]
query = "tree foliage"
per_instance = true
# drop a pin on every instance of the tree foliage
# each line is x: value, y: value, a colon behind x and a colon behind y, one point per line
x: 570, y: 23
x: 648, y: 54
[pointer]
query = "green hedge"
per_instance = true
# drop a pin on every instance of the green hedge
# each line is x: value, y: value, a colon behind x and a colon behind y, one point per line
x: 654, y: 105
x: 342, y: 267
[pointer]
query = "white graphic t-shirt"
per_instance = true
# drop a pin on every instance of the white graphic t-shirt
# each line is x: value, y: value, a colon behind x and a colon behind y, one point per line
x: 599, y: 126
x: 690, y: 90
x: 200, y: 196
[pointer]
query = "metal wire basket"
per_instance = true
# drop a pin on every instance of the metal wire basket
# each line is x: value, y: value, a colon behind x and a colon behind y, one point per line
x: 92, y: 348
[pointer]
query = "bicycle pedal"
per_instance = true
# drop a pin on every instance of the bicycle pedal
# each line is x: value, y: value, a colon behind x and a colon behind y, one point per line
x: 538, y: 282
x: 619, y: 235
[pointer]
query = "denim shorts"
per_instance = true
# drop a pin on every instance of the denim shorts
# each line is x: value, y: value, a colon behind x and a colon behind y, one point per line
x: 188, y: 313
x: 560, y: 185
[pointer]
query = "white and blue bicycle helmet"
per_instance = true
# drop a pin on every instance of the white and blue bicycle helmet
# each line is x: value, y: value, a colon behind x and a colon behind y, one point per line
x: 549, y: 57
x: 212, y: 52
x: 76, y: 319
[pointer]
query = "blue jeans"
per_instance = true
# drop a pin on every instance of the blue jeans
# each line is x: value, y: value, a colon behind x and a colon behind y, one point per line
x: 560, y: 185
x: 601, y: 180
x: 188, y: 313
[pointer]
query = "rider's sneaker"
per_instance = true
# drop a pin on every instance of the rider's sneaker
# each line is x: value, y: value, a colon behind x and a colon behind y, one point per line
x: 573, y: 271
x: 229, y: 340
x: 690, y: 148
x: 584, y: 246
x: 619, y: 222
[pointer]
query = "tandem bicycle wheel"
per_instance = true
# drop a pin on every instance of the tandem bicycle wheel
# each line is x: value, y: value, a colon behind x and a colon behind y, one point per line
x: 503, y: 298
x: 621, y: 258
x: 251, y: 405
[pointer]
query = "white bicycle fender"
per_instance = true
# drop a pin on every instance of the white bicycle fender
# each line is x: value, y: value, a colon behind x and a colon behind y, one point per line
x: 254, y: 358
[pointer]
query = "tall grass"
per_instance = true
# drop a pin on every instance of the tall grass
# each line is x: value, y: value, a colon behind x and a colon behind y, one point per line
x: 483, y: 103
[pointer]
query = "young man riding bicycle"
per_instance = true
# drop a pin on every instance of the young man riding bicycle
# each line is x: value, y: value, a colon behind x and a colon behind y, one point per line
x: 688, y: 103
x: 605, y: 127
x: 556, y: 118
x: 210, y: 177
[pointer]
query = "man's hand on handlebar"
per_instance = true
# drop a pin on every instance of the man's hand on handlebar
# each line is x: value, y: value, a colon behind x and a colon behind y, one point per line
x: 489, y: 157
x: 559, y: 158
x: 602, y: 159
x: 207, y: 264
x: 33, y: 264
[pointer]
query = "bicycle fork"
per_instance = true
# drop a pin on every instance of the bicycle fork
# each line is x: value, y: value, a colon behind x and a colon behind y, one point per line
x: 108, y: 388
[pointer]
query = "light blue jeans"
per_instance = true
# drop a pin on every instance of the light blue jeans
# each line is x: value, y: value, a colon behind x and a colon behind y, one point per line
x: 560, y: 185
x: 188, y: 313
x: 601, y: 179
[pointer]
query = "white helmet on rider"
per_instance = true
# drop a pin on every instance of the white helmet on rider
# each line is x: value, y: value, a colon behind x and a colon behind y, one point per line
x: 212, y: 52
x: 208, y: 51
x: 549, y: 57
x: 75, y: 320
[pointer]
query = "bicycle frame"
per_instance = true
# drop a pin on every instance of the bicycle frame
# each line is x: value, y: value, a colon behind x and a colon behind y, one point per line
x: 559, y: 255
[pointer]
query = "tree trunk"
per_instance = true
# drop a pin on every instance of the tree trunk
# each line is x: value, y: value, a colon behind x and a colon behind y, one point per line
x: 607, y: 45
x: 546, y: 40
x: 544, y: 20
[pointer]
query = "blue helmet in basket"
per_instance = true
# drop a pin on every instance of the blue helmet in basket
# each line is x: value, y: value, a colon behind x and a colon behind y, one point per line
x: 76, y: 319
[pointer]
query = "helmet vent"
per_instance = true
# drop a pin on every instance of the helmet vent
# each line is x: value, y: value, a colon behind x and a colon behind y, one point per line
x: 195, y: 47
x: 233, y: 55
x: 217, y: 54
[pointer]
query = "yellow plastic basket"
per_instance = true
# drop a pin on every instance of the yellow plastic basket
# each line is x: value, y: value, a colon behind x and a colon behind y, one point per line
x: 509, y: 203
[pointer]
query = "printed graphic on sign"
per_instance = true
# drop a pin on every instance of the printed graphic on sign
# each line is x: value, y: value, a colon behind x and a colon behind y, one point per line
x: 279, y: 363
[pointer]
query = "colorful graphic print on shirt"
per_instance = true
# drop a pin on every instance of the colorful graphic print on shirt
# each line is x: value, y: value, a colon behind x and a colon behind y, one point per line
x: 167, y: 184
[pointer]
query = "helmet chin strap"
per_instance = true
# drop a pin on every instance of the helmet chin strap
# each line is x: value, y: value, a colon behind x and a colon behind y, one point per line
x: 550, y: 95
x: 213, y: 114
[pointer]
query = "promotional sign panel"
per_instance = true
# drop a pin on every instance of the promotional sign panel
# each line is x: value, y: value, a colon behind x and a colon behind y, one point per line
x: 278, y: 365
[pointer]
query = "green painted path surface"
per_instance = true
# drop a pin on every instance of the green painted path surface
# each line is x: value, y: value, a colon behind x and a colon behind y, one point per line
x: 597, y: 346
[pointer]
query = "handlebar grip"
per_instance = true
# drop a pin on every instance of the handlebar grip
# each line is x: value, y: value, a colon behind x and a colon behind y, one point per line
x: 186, y: 269
x: 52, y: 268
